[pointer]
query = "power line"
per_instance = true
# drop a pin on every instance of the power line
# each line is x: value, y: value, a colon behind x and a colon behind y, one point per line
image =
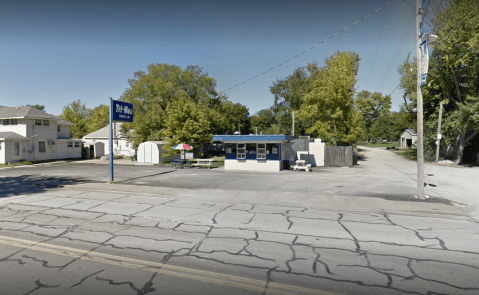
x: 379, y: 41
x: 331, y: 37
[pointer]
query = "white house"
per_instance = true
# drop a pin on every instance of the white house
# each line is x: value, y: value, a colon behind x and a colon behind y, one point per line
x: 408, y: 138
x: 31, y: 134
x: 121, y: 145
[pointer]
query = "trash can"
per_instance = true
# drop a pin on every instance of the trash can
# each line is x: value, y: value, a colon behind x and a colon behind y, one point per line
x: 355, y: 159
x: 285, y: 164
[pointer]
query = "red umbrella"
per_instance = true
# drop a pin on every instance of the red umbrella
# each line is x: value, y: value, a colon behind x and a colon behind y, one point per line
x: 182, y: 146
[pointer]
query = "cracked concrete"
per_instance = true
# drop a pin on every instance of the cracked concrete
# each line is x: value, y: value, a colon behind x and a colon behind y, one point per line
x: 335, y: 251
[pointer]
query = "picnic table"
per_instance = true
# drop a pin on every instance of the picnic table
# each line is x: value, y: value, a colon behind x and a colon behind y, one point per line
x: 302, y: 165
x: 178, y: 163
x: 203, y: 162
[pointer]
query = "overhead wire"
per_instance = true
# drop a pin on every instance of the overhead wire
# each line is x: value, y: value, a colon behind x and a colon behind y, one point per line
x: 379, y: 41
x: 309, y: 49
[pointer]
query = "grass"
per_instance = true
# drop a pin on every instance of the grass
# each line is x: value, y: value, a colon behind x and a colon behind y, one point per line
x: 408, y: 153
x: 388, y: 144
x: 4, y: 165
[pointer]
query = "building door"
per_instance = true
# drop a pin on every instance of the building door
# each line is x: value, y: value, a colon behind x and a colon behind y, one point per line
x: 16, y: 150
x: 408, y: 143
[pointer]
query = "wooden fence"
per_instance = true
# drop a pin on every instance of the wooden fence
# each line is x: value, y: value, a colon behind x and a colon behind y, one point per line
x: 338, y: 156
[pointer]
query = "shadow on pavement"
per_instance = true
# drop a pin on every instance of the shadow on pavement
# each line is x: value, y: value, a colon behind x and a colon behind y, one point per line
x: 143, y: 176
x: 33, y: 184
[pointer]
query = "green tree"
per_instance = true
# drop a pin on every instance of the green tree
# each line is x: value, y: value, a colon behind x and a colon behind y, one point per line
x: 185, y: 122
x: 76, y: 113
x: 371, y: 106
x: 264, y: 120
x: 98, y: 118
x: 383, y: 126
x: 330, y: 102
x: 454, y: 75
x: 288, y: 97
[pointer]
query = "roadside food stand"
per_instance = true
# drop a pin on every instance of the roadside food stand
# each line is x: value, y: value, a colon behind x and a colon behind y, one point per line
x: 256, y: 152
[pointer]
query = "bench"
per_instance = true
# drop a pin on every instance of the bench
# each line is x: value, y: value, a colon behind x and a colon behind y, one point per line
x: 203, y: 162
x: 301, y: 165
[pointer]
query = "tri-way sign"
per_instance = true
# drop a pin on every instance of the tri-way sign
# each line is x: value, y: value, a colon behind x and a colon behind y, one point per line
x: 119, y: 111
x: 122, y: 111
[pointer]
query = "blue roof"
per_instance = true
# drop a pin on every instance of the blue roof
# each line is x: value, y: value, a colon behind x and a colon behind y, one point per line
x: 252, y: 138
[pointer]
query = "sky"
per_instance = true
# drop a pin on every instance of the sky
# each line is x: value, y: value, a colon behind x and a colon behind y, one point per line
x: 55, y: 52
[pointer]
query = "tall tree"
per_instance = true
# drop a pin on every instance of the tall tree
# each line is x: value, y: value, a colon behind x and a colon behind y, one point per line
x: 186, y: 122
x: 454, y: 73
x: 98, y: 118
x: 330, y: 102
x: 371, y: 106
x: 288, y: 97
x: 76, y: 113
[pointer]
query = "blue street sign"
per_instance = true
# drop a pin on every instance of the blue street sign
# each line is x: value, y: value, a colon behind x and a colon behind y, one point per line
x: 122, y: 111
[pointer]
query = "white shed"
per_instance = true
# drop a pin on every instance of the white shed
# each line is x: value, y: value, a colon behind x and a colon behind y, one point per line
x: 408, y: 138
x: 151, y: 152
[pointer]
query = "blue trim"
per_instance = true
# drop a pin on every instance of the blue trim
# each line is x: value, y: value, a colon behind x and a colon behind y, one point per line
x: 253, y: 138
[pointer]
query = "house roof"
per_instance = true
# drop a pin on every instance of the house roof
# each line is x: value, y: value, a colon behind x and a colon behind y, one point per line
x: 29, y: 112
x: 253, y: 138
x: 105, y: 132
x: 411, y: 131
x: 11, y: 135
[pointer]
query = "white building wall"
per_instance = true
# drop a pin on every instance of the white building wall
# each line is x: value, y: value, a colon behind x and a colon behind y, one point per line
x: 316, y: 152
x: 20, y: 128
x: 8, y: 151
x: 2, y: 152
x: 253, y: 165
x: 65, y: 152
x: 45, y: 133
x: 64, y: 131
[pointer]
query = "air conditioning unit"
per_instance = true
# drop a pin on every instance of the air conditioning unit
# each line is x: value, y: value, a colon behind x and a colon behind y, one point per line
x: 51, y: 142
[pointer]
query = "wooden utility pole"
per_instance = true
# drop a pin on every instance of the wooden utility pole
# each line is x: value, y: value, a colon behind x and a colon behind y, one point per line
x: 439, y: 133
x: 420, y: 132
x: 293, y: 124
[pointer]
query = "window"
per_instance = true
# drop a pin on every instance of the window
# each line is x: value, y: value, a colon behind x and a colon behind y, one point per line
x: 77, y: 144
x: 46, y: 123
x: 261, y: 151
x: 272, y: 151
x: 10, y: 122
x: 16, y: 148
x: 58, y: 128
x: 127, y: 144
x: 38, y: 122
x: 42, y: 148
x: 70, y: 144
x: 241, y: 151
x: 251, y: 151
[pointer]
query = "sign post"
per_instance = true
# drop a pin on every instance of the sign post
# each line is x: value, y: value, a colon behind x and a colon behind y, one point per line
x: 119, y: 111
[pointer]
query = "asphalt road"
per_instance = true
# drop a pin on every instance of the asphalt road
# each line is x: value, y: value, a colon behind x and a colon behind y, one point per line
x: 63, y: 230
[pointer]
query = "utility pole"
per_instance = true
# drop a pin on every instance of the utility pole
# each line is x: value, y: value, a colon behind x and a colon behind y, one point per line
x: 293, y: 124
x: 439, y: 133
x: 420, y: 131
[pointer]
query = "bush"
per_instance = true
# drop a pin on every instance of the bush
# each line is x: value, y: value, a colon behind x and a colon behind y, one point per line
x: 26, y: 162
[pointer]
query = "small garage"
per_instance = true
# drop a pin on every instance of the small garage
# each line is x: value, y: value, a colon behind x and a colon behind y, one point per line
x: 94, y: 149
x: 152, y: 152
x: 408, y: 138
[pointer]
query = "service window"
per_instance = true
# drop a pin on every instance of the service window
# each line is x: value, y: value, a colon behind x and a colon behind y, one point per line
x: 42, y: 148
x: 77, y: 144
x: 241, y: 151
x: 261, y: 151
x: 46, y: 122
x: 13, y: 121
x: 70, y: 144
x: 16, y: 148
x: 251, y: 150
x: 272, y: 151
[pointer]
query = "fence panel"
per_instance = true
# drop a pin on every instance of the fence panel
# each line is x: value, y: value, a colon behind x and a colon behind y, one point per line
x: 338, y: 156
